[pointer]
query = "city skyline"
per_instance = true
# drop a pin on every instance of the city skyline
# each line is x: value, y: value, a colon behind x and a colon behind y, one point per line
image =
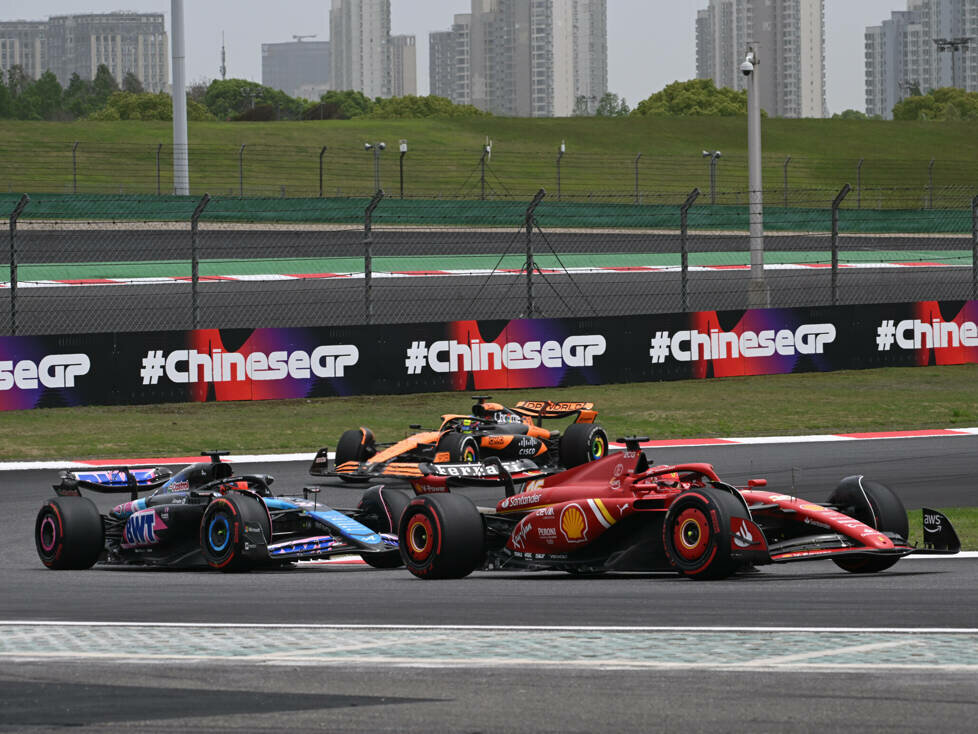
x: 651, y: 43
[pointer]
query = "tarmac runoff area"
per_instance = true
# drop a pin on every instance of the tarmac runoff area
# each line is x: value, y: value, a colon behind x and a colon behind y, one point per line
x: 634, y: 648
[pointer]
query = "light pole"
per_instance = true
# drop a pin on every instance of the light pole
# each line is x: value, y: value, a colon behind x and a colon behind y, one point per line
x: 953, y: 45
x: 376, y: 148
x: 714, y: 156
x: 757, y: 294
x: 560, y: 154
x: 403, y: 153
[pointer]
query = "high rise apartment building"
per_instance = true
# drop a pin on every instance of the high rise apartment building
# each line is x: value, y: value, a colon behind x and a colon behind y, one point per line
x: 789, y: 39
x: 404, y: 66
x: 70, y: 44
x: 360, y: 49
x: 299, y: 68
x: 523, y: 58
x: 902, y: 56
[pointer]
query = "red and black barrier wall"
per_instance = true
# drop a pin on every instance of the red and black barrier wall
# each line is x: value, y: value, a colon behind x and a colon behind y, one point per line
x: 269, y: 364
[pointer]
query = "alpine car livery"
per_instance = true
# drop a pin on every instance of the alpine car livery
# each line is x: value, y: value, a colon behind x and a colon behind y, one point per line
x: 205, y: 515
x: 491, y: 431
x: 620, y: 513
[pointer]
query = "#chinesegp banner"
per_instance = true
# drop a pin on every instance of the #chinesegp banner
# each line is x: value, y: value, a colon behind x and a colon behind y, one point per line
x: 275, y: 364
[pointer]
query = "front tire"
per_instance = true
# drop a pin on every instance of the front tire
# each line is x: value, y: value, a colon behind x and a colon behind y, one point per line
x: 382, y: 509
x: 223, y: 531
x: 442, y: 537
x: 873, y: 504
x: 696, y: 533
x: 581, y: 443
x: 68, y: 533
x: 358, y: 445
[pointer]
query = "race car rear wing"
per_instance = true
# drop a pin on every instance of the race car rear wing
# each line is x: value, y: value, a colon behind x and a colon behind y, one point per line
x: 112, y: 480
x: 540, y: 409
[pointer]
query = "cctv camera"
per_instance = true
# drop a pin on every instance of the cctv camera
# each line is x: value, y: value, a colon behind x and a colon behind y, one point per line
x: 747, y: 68
x: 382, y: 146
x: 367, y: 146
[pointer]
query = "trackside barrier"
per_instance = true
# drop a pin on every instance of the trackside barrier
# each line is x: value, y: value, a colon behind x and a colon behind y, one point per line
x: 264, y: 364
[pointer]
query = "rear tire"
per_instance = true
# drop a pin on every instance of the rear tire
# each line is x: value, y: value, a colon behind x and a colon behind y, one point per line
x: 694, y: 544
x: 382, y: 509
x: 442, y: 537
x: 222, y: 531
x: 581, y: 443
x: 461, y: 448
x: 873, y: 504
x: 68, y: 533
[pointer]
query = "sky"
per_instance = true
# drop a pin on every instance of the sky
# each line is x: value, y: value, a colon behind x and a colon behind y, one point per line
x: 651, y: 43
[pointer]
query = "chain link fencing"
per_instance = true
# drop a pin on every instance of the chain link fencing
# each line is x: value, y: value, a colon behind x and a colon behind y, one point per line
x: 85, y: 263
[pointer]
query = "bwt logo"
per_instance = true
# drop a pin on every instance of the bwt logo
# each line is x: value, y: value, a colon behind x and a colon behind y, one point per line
x: 189, y: 365
x: 690, y: 346
x: 54, y: 370
x: 478, y: 356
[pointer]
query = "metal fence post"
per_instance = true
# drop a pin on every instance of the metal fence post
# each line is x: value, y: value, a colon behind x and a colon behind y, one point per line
x: 530, y: 265
x: 859, y: 184
x: 195, y: 260
x: 241, y: 171
x: 13, y: 261
x: 158, y: 149
x: 74, y: 168
x: 367, y: 255
x: 835, y: 242
x: 560, y: 154
x: 321, y: 154
x: 930, y: 184
x: 683, y: 249
x: 786, y: 162
x: 636, y: 177
x: 974, y: 249
x: 486, y: 152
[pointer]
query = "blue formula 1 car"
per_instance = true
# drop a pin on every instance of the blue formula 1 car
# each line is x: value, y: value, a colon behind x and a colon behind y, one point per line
x: 205, y: 515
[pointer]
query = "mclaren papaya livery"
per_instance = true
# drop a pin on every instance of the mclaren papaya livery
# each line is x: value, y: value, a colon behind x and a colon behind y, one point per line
x: 620, y: 513
x: 491, y: 431
x: 205, y: 515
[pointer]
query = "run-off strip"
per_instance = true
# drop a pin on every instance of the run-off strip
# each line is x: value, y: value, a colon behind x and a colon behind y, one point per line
x: 492, y: 647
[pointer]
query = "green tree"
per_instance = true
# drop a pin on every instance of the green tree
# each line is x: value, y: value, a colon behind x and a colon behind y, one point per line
x: 348, y: 104
x: 611, y: 105
x: 146, y: 106
x: 946, y: 103
x: 79, y: 97
x: 850, y: 114
x: 694, y: 98
x: 6, y: 106
x: 131, y: 83
x: 17, y: 80
x: 232, y: 99
x: 411, y: 106
x: 104, y: 86
x: 581, y: 108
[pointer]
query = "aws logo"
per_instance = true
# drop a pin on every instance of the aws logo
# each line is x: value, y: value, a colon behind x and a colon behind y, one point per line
x: 573, y: 524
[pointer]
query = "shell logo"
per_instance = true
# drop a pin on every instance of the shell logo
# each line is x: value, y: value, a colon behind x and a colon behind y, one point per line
x: 573, y: 524
x: 812, y: 508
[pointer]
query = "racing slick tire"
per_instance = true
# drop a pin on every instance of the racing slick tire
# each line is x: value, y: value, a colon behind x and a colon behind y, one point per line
x: 694, y: 546
x: 222, y: 531
x: 357, y: 444
x: 873, y: 504
x: 442, y: 536
x: 581, y: 443
x: 461, y: 448
x: 68, y: 533
x: 381, y: 510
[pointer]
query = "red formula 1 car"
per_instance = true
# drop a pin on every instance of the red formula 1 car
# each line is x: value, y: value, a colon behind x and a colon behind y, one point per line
x: 619, y: 513
x: 491, y: 431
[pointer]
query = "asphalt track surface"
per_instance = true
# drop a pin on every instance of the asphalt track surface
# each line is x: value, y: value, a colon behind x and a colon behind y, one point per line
x: 341, y: 301
x: 532, y: 692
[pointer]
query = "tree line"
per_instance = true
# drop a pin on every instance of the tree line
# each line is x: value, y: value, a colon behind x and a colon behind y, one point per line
x: 103, y: 98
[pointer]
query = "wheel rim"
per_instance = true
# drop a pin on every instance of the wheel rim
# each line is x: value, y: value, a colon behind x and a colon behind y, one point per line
x: 691, y: 534
x: 219, y: 533
x: 48, y: 534
x: 420, y: 537
x: 598, y: 448
x: 468, y: 453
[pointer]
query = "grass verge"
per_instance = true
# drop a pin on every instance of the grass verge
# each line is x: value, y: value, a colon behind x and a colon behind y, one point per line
x: 964, y: 520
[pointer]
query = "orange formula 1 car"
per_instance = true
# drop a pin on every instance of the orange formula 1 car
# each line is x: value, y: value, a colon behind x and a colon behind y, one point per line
x: 492, y: 430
